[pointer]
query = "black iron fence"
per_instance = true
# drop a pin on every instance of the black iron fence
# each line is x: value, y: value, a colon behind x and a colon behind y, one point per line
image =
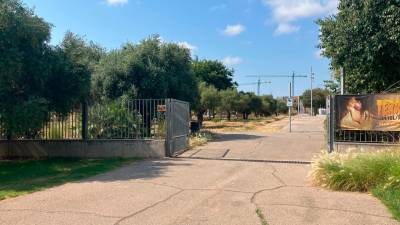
x: 129, y: 119
x: 386, y: 137
x: 57, y: 126
x: 134, y: 119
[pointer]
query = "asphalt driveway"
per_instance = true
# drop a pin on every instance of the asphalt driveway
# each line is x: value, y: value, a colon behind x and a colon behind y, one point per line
x: 223, y: 182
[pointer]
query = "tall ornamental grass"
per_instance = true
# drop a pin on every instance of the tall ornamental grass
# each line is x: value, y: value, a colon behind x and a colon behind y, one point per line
x: 375, y: 172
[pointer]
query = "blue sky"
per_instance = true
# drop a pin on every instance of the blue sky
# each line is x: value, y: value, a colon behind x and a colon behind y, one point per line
x: 252, y: 36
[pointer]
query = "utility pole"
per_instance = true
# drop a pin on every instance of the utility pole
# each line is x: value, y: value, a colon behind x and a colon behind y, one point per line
x: 290, y: 108
x: 292, y: 86
x: 311, y: 81
x: 342, y: 80
x: 258, y: 86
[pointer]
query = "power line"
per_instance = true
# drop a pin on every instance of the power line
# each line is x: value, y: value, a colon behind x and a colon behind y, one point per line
x: 293, y: 76
x: 258, y: 85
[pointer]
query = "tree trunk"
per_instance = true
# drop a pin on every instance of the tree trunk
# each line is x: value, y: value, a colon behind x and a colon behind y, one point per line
x: 228, y: 115
x: 200, y: 117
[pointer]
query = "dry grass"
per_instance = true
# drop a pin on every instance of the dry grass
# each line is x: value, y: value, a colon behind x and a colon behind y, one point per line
x: 257, y: 124
x: 200, y: 138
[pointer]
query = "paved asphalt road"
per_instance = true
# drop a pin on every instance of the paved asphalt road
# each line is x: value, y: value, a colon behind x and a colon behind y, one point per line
x: 221, y: 183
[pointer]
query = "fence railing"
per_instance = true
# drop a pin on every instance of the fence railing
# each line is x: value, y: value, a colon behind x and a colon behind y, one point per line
x: 384, y: 137
x: 130, y: 119
x: 134, y: 119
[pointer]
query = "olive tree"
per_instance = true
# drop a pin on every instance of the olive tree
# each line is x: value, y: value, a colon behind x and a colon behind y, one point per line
x: 35, y: 78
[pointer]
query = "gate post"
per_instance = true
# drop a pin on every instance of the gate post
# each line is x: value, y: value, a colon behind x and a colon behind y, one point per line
x: 168, y: 119
x: 330, y: 123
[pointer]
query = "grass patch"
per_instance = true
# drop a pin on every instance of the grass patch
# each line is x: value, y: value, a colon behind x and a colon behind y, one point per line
x: 261, y: 216
x: 21, y: 177
x: 378, y: 173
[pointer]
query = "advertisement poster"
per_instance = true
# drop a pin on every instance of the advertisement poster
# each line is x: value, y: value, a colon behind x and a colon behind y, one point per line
x: 379, y: 112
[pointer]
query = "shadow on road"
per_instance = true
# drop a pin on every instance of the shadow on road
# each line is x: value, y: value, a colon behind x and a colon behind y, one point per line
x: 307, y: 131
x: 232, y: 137
x: 147, y: 169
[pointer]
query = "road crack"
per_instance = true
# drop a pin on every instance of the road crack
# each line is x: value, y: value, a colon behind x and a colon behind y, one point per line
x: 61, y: 211
x: 148, y: 207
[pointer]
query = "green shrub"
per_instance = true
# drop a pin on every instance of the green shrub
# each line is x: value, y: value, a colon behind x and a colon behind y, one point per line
x: 113, y: 120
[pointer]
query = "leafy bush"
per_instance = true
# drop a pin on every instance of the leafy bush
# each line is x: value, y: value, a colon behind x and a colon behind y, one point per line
x: 113, y: 120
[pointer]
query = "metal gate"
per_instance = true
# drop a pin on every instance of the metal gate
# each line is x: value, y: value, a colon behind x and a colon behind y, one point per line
x: 178, y: 120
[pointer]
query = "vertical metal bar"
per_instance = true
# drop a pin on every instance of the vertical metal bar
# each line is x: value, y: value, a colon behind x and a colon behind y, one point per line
x: 62, y: 126
x: 148, y: 118
x: 74, y: 124
x: 143, y: 118
x: 84, y: 121
x: 151, y: 118
x: 132, y: 128
x: 331, y: 125
x: 128, y: 111
x: 46, y: 127
x: 51, y: 125
x: 160, y: 120
x: 120, y: 119
x: 138, y: 121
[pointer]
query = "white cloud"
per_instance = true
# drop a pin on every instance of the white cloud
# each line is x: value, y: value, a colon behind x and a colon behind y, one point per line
x: 233, y: 30
x: 232, y: 60
x: 117, y: 2
x: 188, y: 46
x: 286, y: 28
x: 287, y: 12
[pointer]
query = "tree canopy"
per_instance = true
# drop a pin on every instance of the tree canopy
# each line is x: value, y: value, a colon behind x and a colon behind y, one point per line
x: 228, y: 101
x: 35, y: 77
x: 364, y: 39
x: 319, y: 98
x: 214, y: 72
x: 38, y: 79
x: 150, y: 69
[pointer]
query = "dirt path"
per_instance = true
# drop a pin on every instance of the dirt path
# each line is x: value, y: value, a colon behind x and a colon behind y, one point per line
x: 223, y: 182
